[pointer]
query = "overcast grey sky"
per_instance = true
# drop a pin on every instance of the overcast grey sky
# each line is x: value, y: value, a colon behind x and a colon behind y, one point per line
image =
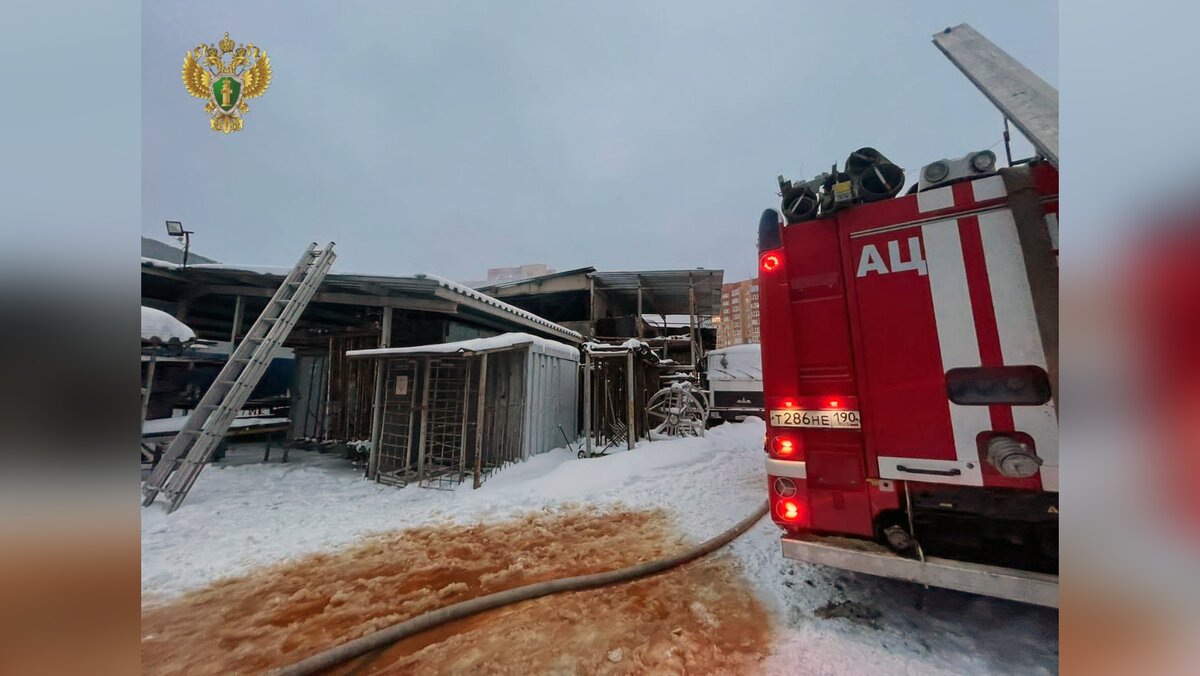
x: 451, y: 137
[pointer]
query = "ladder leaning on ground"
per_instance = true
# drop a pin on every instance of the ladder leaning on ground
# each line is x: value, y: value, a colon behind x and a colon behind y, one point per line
x: 208, y: 423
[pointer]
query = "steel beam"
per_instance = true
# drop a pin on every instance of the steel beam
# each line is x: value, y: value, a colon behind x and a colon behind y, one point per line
x: 337, y: 298
x: 239, y: 310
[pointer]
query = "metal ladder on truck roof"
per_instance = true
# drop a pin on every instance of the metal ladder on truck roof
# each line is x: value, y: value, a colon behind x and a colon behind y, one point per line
x: 188, y: 452
x: 1021, y: 95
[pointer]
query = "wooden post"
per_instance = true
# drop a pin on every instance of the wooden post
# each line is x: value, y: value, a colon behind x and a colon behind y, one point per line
x: 592, y: 307
x: 324, y: 409
x: 410, y: 438
x: 462, y: 436
x: 639, y: 308
x: 239, y: 311
x: 385, y: 340
x: 630, y: 422
x: 692, y: 324
x: 479, y: 419
x: 587, y: 400
x: 424, y: 419
x: 148, y: 387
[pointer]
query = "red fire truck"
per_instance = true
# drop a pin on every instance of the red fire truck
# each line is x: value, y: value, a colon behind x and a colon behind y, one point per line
x: 909, y: 351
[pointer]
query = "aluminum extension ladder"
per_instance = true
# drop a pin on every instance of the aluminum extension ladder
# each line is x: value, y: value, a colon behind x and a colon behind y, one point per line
x: 188, y: 452
x: 1021, y: 95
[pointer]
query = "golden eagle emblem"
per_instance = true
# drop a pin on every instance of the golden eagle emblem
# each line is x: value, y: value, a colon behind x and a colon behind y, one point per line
x: 207, y: 74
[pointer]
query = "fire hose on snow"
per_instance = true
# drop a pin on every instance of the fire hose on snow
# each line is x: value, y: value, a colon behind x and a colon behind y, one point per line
x: 332, y: 657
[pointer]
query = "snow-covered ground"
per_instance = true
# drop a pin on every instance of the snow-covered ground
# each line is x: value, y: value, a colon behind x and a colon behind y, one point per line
x: 242, y: 514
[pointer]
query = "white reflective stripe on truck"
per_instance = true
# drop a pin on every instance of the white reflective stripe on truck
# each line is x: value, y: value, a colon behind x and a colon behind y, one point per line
x: 794, y: 469
x: 1016, y: 323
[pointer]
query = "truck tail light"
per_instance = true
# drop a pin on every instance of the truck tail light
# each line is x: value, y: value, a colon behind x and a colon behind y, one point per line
x: 770, y: 261
x: 785, y: 446
x: 789, y: 510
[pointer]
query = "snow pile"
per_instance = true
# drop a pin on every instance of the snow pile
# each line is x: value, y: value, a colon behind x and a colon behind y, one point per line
x: 476, y: 345
x: 242, y: 514
x: 160, y: 327
x: 601, y: 348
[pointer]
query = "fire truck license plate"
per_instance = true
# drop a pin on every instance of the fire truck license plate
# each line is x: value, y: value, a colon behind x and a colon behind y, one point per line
x: 801, y: 418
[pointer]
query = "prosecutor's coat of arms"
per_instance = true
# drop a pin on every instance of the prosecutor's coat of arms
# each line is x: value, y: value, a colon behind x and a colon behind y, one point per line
x: 226, y: 81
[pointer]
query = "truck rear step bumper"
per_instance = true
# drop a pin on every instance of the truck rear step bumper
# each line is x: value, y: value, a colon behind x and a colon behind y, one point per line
x: 863, y: 556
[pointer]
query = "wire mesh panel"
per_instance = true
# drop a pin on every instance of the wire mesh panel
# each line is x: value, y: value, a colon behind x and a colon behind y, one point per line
x: 397, y: 457
x: 444, y: 461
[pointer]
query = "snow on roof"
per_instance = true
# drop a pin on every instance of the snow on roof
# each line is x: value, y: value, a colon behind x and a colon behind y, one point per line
x: 472, y: 293
x: 160, y: 327
x: 500, y: 342
x: 156, y: 263
x: 169, y: 251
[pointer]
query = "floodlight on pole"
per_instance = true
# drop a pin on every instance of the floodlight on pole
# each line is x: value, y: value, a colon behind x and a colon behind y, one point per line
x: 175, y: 229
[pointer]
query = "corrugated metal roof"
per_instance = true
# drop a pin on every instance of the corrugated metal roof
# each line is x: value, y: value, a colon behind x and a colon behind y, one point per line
x: 535, y: 280
x: 472, y: 293
x: 669, y: 288
x: 365, y: 285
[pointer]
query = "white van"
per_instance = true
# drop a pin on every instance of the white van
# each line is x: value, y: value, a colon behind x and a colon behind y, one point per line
x: 735, y: 388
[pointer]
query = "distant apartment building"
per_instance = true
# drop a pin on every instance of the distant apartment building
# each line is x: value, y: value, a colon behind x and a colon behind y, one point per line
x: 502, y: 275
x: 739, y: 314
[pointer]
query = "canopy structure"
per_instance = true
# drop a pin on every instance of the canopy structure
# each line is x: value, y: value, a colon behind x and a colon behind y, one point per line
x: 207, y: 295
x: 659, y: 306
